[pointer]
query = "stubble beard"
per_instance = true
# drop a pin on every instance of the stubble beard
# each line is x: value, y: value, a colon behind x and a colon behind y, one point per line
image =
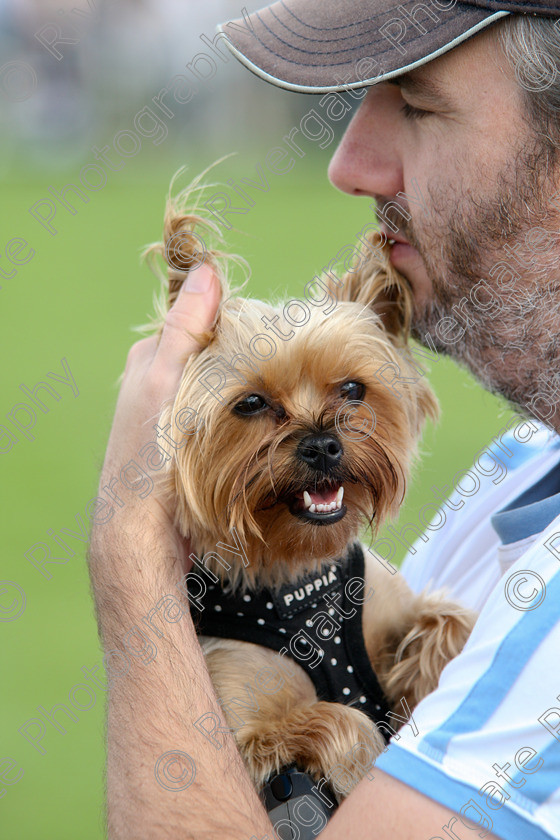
x: 513, y: 352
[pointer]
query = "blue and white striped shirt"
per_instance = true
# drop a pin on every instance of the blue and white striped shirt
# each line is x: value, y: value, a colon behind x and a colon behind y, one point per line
x: 488, y: 739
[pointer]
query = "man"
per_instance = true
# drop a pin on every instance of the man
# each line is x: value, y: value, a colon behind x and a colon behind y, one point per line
x: 457, y: 142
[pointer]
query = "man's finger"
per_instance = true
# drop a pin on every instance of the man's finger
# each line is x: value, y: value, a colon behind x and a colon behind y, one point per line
x: 193, y: 312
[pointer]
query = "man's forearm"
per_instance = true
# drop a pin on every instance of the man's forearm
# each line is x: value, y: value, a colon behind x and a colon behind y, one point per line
x: 204, y: 793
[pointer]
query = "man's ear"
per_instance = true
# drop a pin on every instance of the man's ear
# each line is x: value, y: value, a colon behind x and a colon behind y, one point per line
x: 373, y: 281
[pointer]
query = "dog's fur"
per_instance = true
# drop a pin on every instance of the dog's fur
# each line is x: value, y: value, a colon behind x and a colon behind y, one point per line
x: 244, y: 472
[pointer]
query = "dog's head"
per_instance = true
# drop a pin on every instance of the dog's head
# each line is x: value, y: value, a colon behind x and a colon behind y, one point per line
x: 294, y: 423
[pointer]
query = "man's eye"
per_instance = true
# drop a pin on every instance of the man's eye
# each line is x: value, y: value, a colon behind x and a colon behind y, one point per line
x: 252, y: 404
x: 412, y: 113
x: 352, y: 390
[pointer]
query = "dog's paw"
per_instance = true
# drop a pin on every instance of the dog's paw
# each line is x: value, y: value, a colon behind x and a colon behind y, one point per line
x: 438, y: 634
x: 326, y: 740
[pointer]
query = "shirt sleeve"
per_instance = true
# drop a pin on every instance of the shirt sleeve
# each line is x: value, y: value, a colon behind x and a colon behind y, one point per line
x: 486, y: 743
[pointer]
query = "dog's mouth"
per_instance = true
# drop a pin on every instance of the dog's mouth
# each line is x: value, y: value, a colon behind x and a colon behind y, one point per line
x: 320, y: 505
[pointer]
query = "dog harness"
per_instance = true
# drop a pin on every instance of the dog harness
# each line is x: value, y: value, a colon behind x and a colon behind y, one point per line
x: 317, y: 621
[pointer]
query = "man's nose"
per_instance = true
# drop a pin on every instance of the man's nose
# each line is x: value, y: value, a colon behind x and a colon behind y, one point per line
x: 368, y: 159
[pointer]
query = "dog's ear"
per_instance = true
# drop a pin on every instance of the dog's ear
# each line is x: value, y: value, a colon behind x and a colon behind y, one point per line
x: 373, y: 281
x: 185, y: 247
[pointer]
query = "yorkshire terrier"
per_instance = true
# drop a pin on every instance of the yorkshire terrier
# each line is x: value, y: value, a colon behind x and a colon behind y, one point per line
x: 295, y: 441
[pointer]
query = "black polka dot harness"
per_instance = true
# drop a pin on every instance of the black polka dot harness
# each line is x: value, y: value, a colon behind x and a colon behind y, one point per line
x: 316, y: 620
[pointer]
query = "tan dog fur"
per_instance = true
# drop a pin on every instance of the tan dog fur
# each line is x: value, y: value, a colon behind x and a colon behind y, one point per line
x: 241, y: 472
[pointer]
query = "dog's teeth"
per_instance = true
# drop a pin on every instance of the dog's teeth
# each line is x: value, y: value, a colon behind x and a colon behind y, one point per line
x: 323, y: 507
x: 338, y: 502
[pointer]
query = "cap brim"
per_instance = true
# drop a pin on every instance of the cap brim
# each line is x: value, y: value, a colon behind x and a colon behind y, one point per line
x: 330, y: 46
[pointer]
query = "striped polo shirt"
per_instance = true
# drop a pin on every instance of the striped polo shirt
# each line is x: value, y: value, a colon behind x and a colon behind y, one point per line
x: 487, y: 743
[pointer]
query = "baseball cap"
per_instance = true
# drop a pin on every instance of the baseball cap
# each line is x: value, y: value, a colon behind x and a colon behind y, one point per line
x: 318, y: 46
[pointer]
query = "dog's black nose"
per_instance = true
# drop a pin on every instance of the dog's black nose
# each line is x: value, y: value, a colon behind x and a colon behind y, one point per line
x: 321, y: 452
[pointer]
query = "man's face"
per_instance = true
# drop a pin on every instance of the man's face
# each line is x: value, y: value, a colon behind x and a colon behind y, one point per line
x: 479, y: 195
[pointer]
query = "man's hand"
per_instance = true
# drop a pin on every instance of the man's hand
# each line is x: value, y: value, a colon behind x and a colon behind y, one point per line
x: 153, y: 369
x: 152, y: 375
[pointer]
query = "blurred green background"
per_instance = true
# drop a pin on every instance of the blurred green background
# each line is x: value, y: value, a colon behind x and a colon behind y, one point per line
x: 77, y: 299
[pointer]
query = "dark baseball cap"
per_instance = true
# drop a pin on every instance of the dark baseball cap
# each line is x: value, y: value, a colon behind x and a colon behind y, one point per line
x: 316, y: 46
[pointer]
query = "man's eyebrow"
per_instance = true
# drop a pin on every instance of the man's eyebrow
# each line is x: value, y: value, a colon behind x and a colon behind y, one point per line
x: 426, y: 88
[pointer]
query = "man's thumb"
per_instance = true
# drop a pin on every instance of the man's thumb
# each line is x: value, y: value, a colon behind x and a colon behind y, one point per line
x: 192, y: 313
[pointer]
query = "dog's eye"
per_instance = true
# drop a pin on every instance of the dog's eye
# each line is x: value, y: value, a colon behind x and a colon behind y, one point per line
x: 252, y: 404
x: 352, y: 390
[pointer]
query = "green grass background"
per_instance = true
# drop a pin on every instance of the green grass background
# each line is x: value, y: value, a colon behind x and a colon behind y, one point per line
x: 77, y: 299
